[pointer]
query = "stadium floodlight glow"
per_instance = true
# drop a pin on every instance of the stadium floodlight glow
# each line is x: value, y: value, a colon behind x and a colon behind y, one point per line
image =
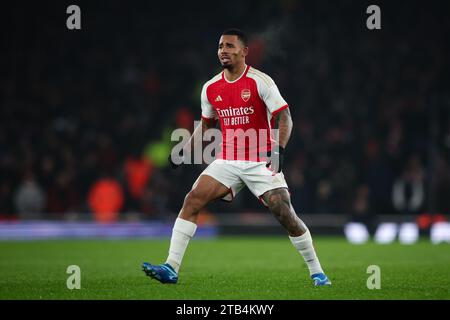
x: 386, y: 233
x: 408, y: 233
x: 356, y: 232
x: 440, y: 232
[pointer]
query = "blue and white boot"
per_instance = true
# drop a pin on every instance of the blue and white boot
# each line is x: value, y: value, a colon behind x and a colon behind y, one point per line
x: 321, y: 279
x: 164, y: 273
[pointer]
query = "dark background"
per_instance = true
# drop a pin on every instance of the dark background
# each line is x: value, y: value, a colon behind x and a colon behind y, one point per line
x: 370, y: 107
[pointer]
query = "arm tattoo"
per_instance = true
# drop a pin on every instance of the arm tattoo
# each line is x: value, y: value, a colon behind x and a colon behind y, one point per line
x: 284, y: 123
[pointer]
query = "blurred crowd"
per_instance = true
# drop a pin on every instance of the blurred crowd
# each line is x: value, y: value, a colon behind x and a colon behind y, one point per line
x: 86, y: 115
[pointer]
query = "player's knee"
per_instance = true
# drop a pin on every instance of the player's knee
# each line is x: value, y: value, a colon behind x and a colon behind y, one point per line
x: 278, y: 202
x: 193, y: 200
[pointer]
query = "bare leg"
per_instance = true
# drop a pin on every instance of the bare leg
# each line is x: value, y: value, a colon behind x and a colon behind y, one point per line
x: 204, y: 191
x: 279, y: 203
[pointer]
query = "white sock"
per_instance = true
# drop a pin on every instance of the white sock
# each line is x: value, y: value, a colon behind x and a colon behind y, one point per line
x: 305, y: 246
x: 182, y: 232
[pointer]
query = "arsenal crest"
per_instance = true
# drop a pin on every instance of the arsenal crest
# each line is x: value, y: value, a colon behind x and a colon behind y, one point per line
x: 245, y: 94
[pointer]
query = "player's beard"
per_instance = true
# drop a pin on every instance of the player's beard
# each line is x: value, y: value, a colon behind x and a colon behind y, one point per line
x: 227, y: 66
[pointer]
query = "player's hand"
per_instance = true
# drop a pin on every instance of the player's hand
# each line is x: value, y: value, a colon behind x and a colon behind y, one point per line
x: 276, y: 159
x: 176, y: 160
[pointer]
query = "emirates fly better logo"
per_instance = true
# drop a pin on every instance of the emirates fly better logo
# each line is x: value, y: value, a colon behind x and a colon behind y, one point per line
x: 245, y: 94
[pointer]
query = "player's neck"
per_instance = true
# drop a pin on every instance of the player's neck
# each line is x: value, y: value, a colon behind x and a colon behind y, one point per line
x: 235, y: 73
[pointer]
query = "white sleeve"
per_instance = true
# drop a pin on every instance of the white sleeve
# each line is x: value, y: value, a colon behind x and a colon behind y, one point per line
x: 271, y: 96
x: 207, y: 109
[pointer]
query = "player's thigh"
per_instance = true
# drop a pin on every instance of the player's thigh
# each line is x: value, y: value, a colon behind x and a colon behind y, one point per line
x: 208, y: 189
x: 275, y: 198
x: 262, y: 182
x: 225, y: 179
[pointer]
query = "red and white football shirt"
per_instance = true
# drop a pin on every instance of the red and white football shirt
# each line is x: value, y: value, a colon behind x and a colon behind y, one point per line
x: 245, y: 108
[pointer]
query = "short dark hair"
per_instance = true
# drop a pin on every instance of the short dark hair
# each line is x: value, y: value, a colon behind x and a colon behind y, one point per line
x: 239, y: 33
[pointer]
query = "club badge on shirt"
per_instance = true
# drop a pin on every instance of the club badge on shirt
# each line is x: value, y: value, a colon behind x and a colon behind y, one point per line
x: 245, y: 94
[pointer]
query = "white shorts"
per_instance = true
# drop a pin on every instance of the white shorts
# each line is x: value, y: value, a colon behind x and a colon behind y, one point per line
x: 235, y: 175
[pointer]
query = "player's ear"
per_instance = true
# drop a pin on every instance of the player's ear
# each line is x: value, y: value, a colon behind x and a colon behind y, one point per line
x: 245, y: 51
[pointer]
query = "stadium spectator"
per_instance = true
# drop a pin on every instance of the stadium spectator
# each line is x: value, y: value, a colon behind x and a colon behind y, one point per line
x: 29, y: 198
x: 106, y: 200
x: 441, y: 186
x: 138, y: 171
x: 63, y: 195
x: 408, y: 191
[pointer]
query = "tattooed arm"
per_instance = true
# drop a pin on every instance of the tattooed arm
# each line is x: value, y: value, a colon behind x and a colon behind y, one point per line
x: 284, y: 121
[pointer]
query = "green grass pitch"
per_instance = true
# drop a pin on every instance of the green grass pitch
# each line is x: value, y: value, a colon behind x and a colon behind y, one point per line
x: 255, y: 268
